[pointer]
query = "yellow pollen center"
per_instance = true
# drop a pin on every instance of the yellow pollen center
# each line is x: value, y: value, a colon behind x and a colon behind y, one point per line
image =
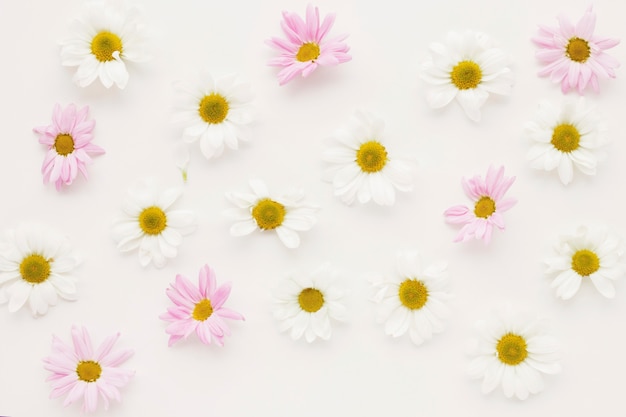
x: 585, y: 262
x: 466, y: 75
x: 152, y: 220
x: 413, y: 294
x: 104, y: 44
x: 371, y: 156
x: 311, y: 300
x: 511, y: 349
x: 268, y: 214
x: 484, y: 207
x: 213, y: 108
x: 64, y: 144
x: 565, y: 138
x: 308, y: 52
x: 88, y: 371
x: 202, y: 310
x: 35, y: 269
x: 578, y: 50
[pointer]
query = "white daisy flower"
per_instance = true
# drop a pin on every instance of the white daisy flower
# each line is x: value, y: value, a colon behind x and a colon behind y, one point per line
x: 215, y: 111
x: 286, y: 214
x: 361, y: 167
x: 513, y: 351
x: 307, y: 304
x: 102, y: 41
x: 414, y: 299
x: 589, y: 254
x: 36, y: 266
x: 467, y: 67
x: 150, y: 224
x: 566, y: 137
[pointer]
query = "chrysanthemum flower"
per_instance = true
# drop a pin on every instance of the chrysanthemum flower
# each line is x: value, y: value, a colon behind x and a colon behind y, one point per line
x: 573, y: 55
x: 150, y: 224
x: 215, y: 111
x: 35, y: 267
x: 361, y: 168
x: 590, y: 254
x: 286, y: 214
x: 566, y: 137
x: 68, y: 139
x: 467, y: 67
x: 489, y: 204
x: 101, y: 43
x: 307, y: 46
x: 80, y: 372
x: 413, y: 300
x: 307, y: 304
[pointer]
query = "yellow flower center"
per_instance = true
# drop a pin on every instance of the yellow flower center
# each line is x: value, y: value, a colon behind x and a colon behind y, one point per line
x: 565, y: 138
x: 268, y: 214
x: 511, y: 349
x: 213, y: 108
x: 104, y: 44
x: 578, y: 50
x: 88, y: 371
x: 311, y: 300
x: 466, y: 75
x: 152, y: 220
x: 371, y: 156
x: 585, y: 262
x: 35, y: 269
x: 308, y: 52
x: 413, y: 294
x: 64, y: 144
x: 202, y: 310
x: 484, y: 207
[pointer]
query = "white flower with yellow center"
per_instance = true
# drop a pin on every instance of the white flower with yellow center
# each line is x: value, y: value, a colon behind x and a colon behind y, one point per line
x: 286, y: 214
x: 361, y: 168
x: 150, y: 225
x: 35, y: 267
x: 414, y: 299
x: 590, y: 254
x: 102, y: 41
x: 305, y: 305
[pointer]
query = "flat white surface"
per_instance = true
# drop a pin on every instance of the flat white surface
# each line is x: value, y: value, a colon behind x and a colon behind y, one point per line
x: 261, y: 372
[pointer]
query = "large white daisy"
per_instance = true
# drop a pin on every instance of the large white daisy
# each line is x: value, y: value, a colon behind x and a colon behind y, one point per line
x: 35, y: 267
x: 467, y: 67
x: 361, y: 167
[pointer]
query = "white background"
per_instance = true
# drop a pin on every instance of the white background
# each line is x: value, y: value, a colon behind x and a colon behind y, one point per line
x: 260, y: 371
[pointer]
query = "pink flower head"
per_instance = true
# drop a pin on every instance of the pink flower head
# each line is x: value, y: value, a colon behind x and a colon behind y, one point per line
x: 79, y: 371
x: 573, y: 55
x: 305, y: 47
x: 199, y: 308
x: 489, y: 204
x: 68, y: 139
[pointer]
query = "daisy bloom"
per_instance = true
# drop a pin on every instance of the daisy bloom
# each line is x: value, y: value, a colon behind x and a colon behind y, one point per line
x: 467, y: 67
x: 414, y: 299
x: 101, y: 43
x: 36, y: 267
x: 150, y: 224
x: 489, y: 204
x: 361, y: 168
x: 286, y: 214
x: 82, y: 372
x: 573, y: 55
x: 199, y: 308
x: 306, y: 45
x: 215, y: 111
x: 307, y: 304
x: 514, y: 351
x: 68, y: 140
x: 590, y: 254
x: 566, y: 137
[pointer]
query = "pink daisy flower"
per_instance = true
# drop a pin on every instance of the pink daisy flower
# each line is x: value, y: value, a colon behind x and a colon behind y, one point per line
x: 573, y: 55
x: 68, y: 139
x: 306, y: 47
x: 489, y: 204
x: 199, y: 308
x: 82, y: 372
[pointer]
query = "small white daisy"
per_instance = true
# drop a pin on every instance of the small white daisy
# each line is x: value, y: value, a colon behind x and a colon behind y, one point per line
x: 151, y: 225
x: 414, y: 299
x: 590, y: 253
x: 35, y: 266
x: 467, y: 67
x: 307, y: 304
x: 286, y: 214
x: 215, y: 111
x: 566, y: 137
x: 361, y: 167
x: 102, y: 41
x: 513, y: 350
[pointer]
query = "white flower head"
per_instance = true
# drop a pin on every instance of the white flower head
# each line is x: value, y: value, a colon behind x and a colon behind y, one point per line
x: 467, y: 67
x: 361, y: 167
